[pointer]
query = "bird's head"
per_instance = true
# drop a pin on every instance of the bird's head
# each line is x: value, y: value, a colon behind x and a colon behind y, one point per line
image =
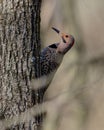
x: 67, y: 41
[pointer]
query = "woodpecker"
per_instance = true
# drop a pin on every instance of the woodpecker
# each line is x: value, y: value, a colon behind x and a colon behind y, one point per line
x: 51, y: 57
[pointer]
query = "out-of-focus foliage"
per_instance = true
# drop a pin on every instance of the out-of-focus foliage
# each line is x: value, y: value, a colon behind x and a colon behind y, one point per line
x: 82, y: 70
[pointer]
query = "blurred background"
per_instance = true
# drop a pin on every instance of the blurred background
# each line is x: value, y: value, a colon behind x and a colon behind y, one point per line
x: 82, y: 69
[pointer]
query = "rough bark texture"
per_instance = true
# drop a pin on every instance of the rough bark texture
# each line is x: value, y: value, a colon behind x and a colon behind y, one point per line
x: 19, y: 37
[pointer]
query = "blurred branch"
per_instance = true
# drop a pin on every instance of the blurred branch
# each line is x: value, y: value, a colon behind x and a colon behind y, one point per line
x: 47, y: 106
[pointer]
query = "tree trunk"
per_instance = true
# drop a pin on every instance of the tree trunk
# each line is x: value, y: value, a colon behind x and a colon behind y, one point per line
x: 19, y: 41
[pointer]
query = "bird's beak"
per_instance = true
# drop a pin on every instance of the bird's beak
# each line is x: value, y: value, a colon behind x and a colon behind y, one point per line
x: 61, y: 34
x: 56, y: 30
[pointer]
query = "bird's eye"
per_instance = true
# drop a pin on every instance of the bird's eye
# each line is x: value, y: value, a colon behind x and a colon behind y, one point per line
x: 66, y: 36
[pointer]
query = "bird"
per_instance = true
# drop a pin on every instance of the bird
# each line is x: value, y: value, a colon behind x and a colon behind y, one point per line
x: 51, y: 58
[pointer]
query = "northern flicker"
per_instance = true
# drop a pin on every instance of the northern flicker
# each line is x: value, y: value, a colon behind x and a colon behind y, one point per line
x: 51, y: 57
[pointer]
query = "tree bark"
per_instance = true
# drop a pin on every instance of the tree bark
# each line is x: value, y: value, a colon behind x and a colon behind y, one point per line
x: 19, y: 41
